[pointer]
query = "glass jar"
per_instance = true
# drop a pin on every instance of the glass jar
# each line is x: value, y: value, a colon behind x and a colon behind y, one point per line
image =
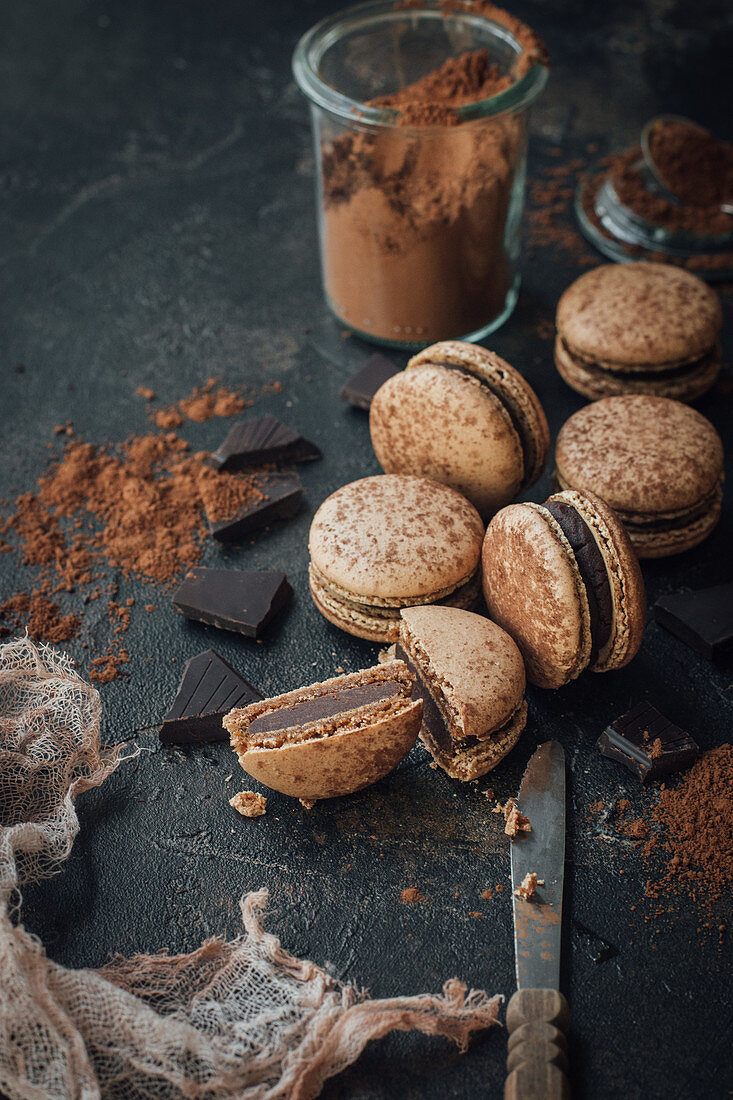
x: 418, y: 224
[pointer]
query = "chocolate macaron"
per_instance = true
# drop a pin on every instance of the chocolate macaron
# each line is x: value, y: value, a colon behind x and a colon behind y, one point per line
x: 641, y: 328
x: 656, y: 462
x: 563, y: 580
x: 470, y: 677
x: 331, y: 738
x: 387, y: 542
x: 461, y: 415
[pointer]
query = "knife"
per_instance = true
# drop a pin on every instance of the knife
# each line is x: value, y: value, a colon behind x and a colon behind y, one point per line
x: 538, y: 1015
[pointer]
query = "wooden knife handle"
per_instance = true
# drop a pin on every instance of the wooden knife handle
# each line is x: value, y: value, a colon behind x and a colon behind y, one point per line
x: 538, y: 1060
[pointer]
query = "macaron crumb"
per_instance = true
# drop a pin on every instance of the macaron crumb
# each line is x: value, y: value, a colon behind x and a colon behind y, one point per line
x: 249, y: 803
x: 528, y: 886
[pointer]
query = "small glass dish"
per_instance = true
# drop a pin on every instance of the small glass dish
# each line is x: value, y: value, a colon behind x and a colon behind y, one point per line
x: 418, y: 225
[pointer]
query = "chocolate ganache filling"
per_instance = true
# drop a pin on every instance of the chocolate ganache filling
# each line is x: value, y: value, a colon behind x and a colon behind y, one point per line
x: 592, y: 568
x: 323, y: 706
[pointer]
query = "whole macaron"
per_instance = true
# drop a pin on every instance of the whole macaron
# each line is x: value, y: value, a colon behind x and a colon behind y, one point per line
x: 563, y: 580
x: 656, y: 462
x: 470, y: 677
x: 461, y: 415
x: 639, y: 328
x: 387, y: 542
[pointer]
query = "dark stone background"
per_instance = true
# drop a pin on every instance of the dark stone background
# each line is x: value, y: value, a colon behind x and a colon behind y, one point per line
x: 157, y: 228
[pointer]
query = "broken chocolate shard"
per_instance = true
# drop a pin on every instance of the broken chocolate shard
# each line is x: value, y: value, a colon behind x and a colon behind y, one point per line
x: 262, y: 440
x: 209, y: 688
x: 361, y: 387
x: 241, y: 600
x: 702, y: 619
x: 648, y: 744
x: 273, y: 497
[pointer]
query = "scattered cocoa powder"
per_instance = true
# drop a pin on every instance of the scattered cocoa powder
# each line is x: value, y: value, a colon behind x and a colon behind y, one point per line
x: 693, y: 829
x: 410, y: 895
x: 550, y: 221
x: 146, y: 392
x: 488, y: 894
x: 224, y: 494
x: 205, y: 402
x: 40, y: 616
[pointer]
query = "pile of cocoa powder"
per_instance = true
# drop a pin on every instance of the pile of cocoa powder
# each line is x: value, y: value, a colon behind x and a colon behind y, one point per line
x: 134, y: 508
x: 415, y: 213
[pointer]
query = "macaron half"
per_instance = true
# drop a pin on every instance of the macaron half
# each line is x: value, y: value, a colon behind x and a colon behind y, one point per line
x: 656, y: 462
x: 470, y: 678
x: 331, y: 738
x: 563, y: 580
x: 461, y: 415
x: 641, y: 328
x: 387, y: 542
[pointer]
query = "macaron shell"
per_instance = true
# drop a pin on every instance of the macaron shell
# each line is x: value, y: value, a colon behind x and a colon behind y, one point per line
x: 396, y: 538
x: 624, y: 575
x: 639, y: 314
x: 534, y: 591
x: 476, y: 664
x: 339, y: 764
x: 640, y: 454
x: 651, y: 543
x: 416, y: 419
x: 480, y: 758
x: 373, y: 627
x: 511, y: 386
x: 595, y: 383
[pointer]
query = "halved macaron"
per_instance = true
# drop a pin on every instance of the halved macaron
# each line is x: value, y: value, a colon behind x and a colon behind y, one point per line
x: 331, y: 738
x: 470, y: 677
x: 461, y: 415
x: 387, y: 542
x: 564, y: 581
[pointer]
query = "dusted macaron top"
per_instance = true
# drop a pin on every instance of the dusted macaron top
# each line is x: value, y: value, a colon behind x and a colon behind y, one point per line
x: 477, y: 665
x: 639, y: 314
x: 395, y: 537
x: 461, y: 415
x: 641, y: 454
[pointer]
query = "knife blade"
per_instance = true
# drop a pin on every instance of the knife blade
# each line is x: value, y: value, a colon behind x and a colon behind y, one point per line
x: 537, y: 1014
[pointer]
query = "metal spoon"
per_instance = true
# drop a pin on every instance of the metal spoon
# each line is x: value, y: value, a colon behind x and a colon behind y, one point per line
x: 726, y: 207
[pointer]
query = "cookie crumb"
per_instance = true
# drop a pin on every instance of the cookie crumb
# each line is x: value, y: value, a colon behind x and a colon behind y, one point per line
x: 306, y: 804
x: 528, y: 886
x: 389, y: 653
x: 249, y: 803
x: 516, y: 823
x: 489, y: 794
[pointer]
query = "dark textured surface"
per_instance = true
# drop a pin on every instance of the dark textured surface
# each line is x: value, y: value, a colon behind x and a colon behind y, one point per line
x: 157, y: 228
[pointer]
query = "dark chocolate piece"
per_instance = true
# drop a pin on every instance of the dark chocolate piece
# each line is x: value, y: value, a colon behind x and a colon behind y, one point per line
x: 324, y: 706
x: 592, y: 568
x: 648, y: 744
x: 233, y: 599
x: 276, y: 496
x: 257, y: 442
x: 209, y: 688
x: 361, y: 387
x: 702, y: 619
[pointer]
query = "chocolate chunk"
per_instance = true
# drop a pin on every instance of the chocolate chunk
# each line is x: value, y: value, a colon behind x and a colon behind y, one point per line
x: 324, y: 706
x: 233, y: 599
x: 647, y: 743
x: 272, y: 497
x: 592, y: 568
x: 257, y: 442
x: 361, y: 387
x: 209, y: 688
x: 702, y: 619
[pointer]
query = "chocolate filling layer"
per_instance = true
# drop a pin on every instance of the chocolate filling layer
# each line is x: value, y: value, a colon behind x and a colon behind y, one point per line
x: 525, y: 439
x: 592, y: 571
x: 651, y: 374
x: 324, y: 706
